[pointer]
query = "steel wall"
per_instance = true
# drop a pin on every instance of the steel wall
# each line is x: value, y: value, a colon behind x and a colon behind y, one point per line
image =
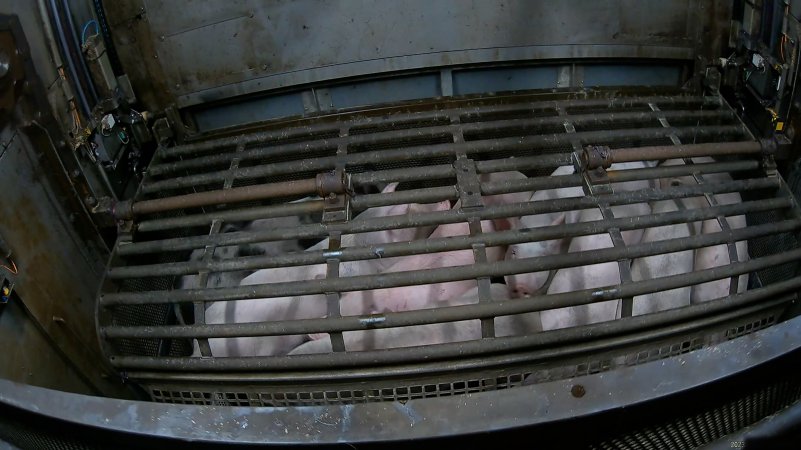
x: 216, y: 50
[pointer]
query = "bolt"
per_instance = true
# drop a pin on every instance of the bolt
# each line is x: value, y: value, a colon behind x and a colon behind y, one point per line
x: 161, y: 38
x: 578, y: 391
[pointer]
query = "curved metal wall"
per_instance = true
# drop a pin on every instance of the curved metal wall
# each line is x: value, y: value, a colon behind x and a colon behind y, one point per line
x: 217, y: 50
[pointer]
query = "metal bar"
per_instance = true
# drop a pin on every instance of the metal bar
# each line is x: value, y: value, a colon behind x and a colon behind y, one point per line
x: 599, y: 156
x: 440, y: 217
x: 495, y: 308
x: 436, y: 130
x: 412, y: 153
x: 446, y: 274
x: 245, y: 214
x: 707, y: 314
x: 208, y: 255
x: 233, y: 195
x: 440, y: 171
x: 710, y: 199
x: 79, y: 84
x: 323, y: 184
x: 391, y: 250
x: 310, y: 130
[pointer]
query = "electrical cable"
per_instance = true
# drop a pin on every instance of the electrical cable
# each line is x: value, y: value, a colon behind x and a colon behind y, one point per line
x: 14, y: 270
x: 86, y: 27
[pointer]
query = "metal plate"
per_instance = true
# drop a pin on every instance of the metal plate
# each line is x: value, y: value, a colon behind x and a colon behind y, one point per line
x: 215, y: 51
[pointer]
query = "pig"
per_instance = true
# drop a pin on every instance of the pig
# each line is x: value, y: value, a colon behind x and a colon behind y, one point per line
x: 527, y: 284
x: 228, y: 279
x: 657, y: 266
x: 521, y: 285
x: 508, y: 223
x: 718, y: 255
x: 407, y: 298
x: 438, y: 333
x: 305, y: 307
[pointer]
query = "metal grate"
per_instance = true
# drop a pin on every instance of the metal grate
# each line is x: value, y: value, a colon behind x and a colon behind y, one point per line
x: 330, y: 172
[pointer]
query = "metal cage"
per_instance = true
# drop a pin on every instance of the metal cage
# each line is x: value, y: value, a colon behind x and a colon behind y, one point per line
x: 326, y: 170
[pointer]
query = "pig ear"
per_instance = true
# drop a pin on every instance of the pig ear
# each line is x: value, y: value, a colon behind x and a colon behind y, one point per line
x: 390, y: 188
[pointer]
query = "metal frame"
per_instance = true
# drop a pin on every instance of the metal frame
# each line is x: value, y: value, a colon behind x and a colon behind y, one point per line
x: 426, y: 418
x: 452, y: 147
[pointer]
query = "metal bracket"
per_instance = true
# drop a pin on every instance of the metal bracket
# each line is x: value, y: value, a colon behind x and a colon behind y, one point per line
x: 467, y: 183
x: 769, y: 166
x: 596, y: 181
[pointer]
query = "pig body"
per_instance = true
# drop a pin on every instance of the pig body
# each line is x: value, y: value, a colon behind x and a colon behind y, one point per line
x: 438, y: 333
x: 531, y: 283
x: 657, y: 266
x: 304, y: 307
x: 718, y: 255
x: 406, y: 298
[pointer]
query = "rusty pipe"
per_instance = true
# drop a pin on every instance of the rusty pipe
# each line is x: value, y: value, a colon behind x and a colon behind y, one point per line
x: 595, y: 156
x: 323, y: 184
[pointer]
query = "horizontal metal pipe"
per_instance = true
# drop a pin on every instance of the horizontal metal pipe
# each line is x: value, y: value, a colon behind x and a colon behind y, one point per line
x: 600, y: 156
x: 482, y: 310
x: 406, y: 174
x: 235, y: 215
x: 232, y: 195
x: 451, y: 149
x: 647, y: 328
x: 314, y: 129
x: 391, y: 175
x: 553, y: 342
x: 447, y: 274
x: 382, y: 137
x: 423, y: 195
x: 441, y: 217
x: 390, y: 250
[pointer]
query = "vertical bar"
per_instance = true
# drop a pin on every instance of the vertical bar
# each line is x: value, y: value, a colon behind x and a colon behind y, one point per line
x: 446, y: 82
x: 469, y: 187
x: 208, y: 254
x: 711, y: 201
x: 333, y: 213
x: 624, y: 265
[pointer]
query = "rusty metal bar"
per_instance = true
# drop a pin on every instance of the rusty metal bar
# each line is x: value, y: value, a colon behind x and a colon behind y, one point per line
x: 446, y: 274
x: 235, y: 215
x: 443, y: 171
x: 553, y: 342
x: 323, y: 184
x: 439, y: 217
x: 498, y: 307
x: 595, y: 156
x: 396, y: 249
x: 413, y: 153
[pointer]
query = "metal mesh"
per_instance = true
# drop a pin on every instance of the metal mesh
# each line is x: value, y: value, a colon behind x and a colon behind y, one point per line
x: 399, y: 391
x: 703, y: 427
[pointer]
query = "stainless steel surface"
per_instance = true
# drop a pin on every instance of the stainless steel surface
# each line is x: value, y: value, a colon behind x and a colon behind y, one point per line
x: 415, y: 418
x: 215, y: 51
